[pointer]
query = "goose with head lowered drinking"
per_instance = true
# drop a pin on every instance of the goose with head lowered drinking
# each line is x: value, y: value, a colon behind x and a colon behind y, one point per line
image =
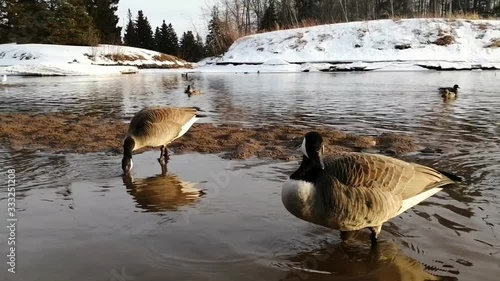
x: 157, y: 126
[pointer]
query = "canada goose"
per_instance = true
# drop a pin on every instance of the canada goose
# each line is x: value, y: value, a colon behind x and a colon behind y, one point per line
x: 192, y: 92
x: 157, y: 126
x: 447, y: 90
x: 352, y: 191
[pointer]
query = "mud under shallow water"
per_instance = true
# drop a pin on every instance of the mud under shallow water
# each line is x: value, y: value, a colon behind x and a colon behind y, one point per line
x: 217, y: 214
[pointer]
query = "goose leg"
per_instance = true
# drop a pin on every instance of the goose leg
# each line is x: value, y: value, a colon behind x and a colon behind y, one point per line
x: 161, y: 160
x: 374, y: 235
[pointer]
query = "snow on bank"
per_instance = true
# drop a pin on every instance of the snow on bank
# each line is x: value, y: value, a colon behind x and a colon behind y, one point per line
x: 435, y: 41
x: 44, y: 59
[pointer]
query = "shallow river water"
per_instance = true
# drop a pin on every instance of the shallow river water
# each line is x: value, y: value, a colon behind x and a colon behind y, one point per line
x: 79, y: 219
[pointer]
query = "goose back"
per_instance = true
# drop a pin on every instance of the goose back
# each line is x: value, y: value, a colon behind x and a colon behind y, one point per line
x: 383, y: 172
x: 159, y: 126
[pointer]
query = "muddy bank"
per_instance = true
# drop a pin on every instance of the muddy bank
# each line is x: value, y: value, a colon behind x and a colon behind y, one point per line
x: 60, y: 132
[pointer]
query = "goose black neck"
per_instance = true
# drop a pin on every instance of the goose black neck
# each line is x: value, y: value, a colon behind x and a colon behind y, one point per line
x: 128, y: 147
x: 307, y: 171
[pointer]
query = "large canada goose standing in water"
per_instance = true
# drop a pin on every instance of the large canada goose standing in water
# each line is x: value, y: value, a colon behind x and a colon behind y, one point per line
x: 157, y: 126
x: 352, y: 191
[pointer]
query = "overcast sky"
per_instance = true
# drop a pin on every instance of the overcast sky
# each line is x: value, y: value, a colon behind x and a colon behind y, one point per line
x: 181, y: 13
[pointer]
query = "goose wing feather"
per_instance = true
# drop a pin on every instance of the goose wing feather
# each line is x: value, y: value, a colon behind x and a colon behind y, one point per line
x: 374, y: 171
x: 356, y: 208
x: 160, y: 124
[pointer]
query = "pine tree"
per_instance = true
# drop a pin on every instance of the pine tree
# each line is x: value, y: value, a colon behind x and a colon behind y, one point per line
x: 164, y: 38
x: 190, y: 48
x: 172, y: 42
x: 130, y: 36
x: 6, y: 20
x: 144, y: 32
x: 158, y: 40
x: 200, y: 52
x: 71, y: 25
x: 105, y: 19
x: 308, y: 9
x: 270, y: 19
x: 50, y: 21
x: 217, y: 41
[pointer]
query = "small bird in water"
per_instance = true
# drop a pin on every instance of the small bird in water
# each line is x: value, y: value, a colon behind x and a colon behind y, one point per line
x: 4, y: 79
x: 192, y: 92
x: 447, y: 92
x: 353, y: 191
x: 157, y: 126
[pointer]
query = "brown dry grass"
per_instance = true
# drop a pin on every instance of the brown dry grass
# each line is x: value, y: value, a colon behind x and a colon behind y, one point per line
x: 494, y: 43
x: 61, y: 132
x: 483, y: 26
x: 123, y: 57
x: 456, y: 16
x: 445, y: 40
x: 164, y: 57
x: 301, y: 24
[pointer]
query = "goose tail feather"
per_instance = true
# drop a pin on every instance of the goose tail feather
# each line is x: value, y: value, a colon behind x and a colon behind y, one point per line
x: 452, y: 177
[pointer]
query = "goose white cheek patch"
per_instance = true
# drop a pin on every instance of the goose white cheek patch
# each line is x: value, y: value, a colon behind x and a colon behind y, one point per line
x: 303, y: 148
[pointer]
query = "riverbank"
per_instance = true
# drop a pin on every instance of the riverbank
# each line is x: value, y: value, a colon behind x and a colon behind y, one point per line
x: 441, y: 44
x: 62, y: 60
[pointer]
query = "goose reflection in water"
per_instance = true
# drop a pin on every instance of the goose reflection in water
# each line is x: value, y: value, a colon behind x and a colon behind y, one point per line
x: 162, y: 192
x: 342, y: 262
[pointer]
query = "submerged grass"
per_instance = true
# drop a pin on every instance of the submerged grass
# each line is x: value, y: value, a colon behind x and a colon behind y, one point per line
x: 62, y: 132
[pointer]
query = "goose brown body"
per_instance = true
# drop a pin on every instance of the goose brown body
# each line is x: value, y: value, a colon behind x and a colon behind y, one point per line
x: 157, y: 126
x: 359, y: 190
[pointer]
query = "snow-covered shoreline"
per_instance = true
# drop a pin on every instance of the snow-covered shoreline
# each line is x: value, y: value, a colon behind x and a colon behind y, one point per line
x: 381, y: 45
x: 61, y: 60
x: 435, y: 43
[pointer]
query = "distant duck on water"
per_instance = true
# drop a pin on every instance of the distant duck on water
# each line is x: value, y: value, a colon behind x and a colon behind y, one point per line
x: 448, y: 92
x: 192, y: 92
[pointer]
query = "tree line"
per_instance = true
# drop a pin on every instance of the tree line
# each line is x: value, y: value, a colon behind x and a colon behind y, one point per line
x: 92, y: 22
x: 72, y: 22
x: 164, y: 39
x: 191, y: 47
x: 248, y: 16
x: 241, y: 17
